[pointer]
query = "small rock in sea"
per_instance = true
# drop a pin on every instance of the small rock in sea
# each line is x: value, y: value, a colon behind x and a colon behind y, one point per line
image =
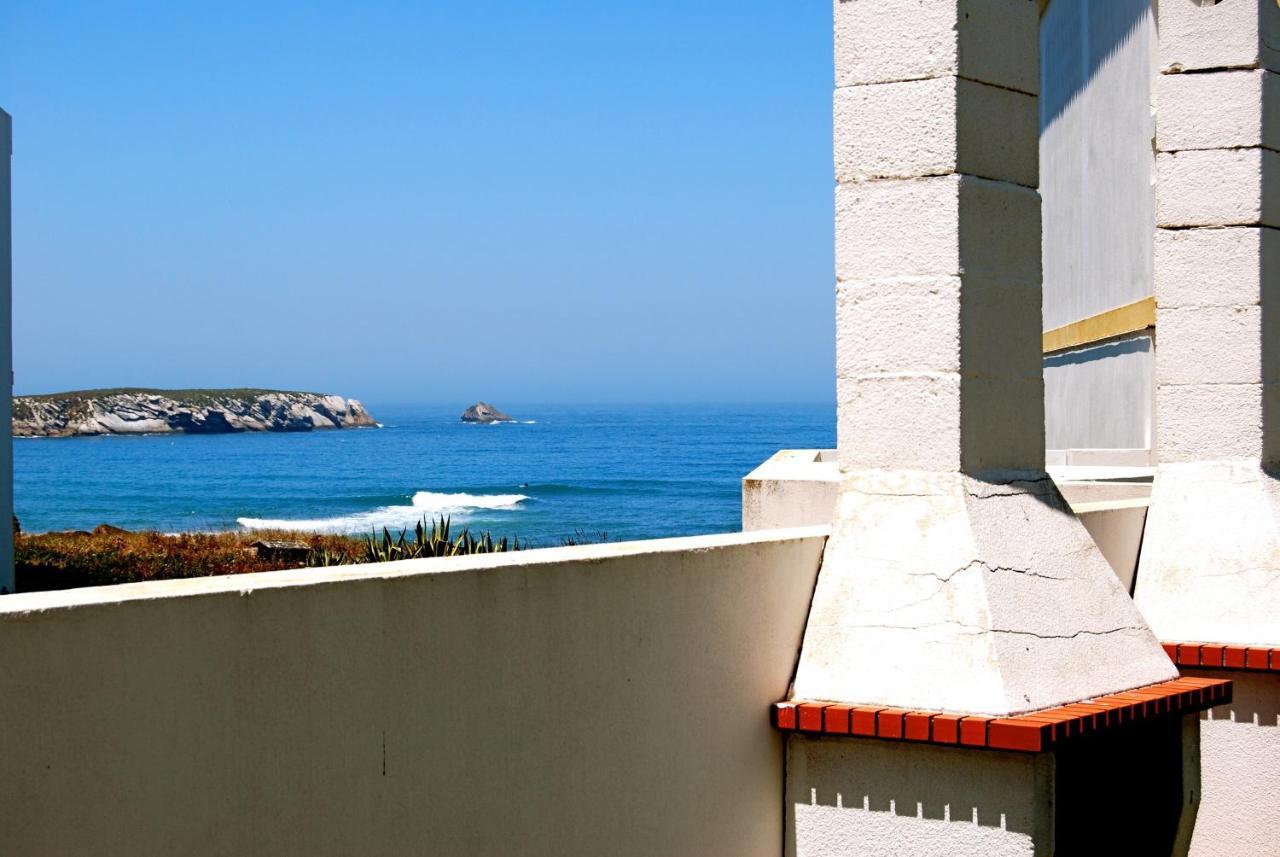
x: 482, y: 412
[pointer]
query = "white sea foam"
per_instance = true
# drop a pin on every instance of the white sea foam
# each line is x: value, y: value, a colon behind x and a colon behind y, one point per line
x: 458, y: 507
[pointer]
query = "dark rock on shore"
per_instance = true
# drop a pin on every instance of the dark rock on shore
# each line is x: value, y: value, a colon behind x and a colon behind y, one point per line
x: 482, y: 412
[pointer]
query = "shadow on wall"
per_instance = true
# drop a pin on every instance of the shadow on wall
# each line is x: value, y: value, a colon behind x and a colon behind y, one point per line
x: 1104, y: 27
x: 1255, y: 698
x: 1121, y: 793
x: 851, y: 792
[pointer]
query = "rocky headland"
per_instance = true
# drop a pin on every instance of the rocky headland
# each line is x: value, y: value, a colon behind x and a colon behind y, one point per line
x: 142, y: 411
x: 483, y: 412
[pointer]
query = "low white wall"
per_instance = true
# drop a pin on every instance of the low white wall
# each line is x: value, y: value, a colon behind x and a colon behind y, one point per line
x: 1128, y: 791
x: 882, y: 798
x: 598, y: 700
x: 1240, y: 761
x: 794, y: 488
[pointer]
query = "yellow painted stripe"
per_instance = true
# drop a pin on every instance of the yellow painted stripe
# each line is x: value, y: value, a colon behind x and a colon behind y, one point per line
x: 1130, y: 318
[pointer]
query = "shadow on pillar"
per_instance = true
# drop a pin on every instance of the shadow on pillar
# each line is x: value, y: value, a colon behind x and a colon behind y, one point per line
x: 1269, y: 297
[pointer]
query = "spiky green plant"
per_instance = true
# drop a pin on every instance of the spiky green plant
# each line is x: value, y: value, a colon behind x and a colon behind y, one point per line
x: 433, y: 540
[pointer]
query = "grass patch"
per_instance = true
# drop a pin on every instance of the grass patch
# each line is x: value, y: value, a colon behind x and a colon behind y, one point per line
x: 108, y: 556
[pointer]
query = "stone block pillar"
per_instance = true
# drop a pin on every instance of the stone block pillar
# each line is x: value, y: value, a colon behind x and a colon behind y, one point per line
x: 956, y: 580
x: 1210, y: 565
x: 6, y: 355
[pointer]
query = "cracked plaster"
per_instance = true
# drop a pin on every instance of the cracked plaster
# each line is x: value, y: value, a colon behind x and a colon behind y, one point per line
x: 946, y: 592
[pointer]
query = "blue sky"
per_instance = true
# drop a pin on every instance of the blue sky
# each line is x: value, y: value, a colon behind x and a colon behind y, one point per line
x: 424, y: 201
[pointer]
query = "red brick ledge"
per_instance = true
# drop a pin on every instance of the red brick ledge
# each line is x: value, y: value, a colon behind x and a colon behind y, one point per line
x: 1028, y: 733
x: 1219, y: 656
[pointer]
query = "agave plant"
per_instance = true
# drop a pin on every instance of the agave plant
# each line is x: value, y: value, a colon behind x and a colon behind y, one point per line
x: 432, y: 540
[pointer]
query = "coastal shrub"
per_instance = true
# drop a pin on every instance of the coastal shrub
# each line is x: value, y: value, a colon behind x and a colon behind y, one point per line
x: 110, y: 555
x: 433, y: 540
x: 582, y: 537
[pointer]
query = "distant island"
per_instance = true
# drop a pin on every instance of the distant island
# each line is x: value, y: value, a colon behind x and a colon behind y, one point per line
x: 144, y: 411
x: 483, y: 412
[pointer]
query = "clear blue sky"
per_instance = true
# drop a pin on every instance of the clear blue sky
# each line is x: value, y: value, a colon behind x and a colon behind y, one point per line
x: 424, y: 201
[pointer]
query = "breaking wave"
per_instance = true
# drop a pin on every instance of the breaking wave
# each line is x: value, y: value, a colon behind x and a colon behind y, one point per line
x: 424, y: 504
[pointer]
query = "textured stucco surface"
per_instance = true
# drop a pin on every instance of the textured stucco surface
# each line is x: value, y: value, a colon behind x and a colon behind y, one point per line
x: 938, y: 324
x: 933, y: 127
x: 876, y: 798
x: 1240, y: 761
x: 1132, y: 791
x: 794, y: 488
x: 601, y: 700
x: 1218, y: 110
x: 893, y: 40
x: 1099, y: 212
x: 1210, y: 567
x: 1101, y: 396
x: 956, y: 577
x: 944, y: 592
x: 1230, y: 34
x: 1217, y: 187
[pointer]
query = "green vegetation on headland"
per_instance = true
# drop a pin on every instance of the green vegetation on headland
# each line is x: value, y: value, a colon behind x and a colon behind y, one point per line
x: 194, y: 396
x: 109, y: 555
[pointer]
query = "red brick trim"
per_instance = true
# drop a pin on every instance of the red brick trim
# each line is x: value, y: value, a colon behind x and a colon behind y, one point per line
x: 1029, y: 733
x: 1218, y: 656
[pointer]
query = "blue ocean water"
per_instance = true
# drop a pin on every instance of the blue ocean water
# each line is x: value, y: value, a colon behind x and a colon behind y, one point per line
x: 633, y: 472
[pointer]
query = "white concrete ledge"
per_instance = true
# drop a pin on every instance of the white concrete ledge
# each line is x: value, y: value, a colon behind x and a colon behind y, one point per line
x: 244, y: 584
x: 608, y: 699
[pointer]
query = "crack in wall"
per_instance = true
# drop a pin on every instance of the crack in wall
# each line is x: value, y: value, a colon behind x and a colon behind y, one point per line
x: 967, y: 630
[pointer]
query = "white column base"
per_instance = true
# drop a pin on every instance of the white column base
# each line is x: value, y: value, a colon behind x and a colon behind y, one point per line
x: 1210, y: 566
x: 944, y: 592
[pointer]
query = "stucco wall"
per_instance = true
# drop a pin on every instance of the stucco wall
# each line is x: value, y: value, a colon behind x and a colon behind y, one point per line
x: 794, y: 488
x: 881, y: 798
x: 1096, y: 172
x: 1240, y: 762
x: 1097, y: 64
x: 1130, y: 791
x: 598, y: 700
x: 1100, y: 396
x: 6, y: 355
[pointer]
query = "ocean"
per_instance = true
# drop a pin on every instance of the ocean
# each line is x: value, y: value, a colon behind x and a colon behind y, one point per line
x: 621, y: 472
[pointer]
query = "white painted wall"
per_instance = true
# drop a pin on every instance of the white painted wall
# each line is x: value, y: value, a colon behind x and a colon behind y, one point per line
x: 879, y: 798
x: 6, y: 353
x: 1134, y: 791
x: 598, y: 700
x: 1096, y: 173
x: 1100, y: 396
x: 1097, y: 62
x: 1240, y: 751
x: 794, y: 488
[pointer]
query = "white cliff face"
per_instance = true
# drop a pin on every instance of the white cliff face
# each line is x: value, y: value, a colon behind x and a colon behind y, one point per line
x: 99, y: 412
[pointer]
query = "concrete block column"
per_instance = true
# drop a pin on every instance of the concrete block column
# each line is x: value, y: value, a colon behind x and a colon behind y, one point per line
x: 956, y: 579
x: 6, y: 355
x: 1210, y: 565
